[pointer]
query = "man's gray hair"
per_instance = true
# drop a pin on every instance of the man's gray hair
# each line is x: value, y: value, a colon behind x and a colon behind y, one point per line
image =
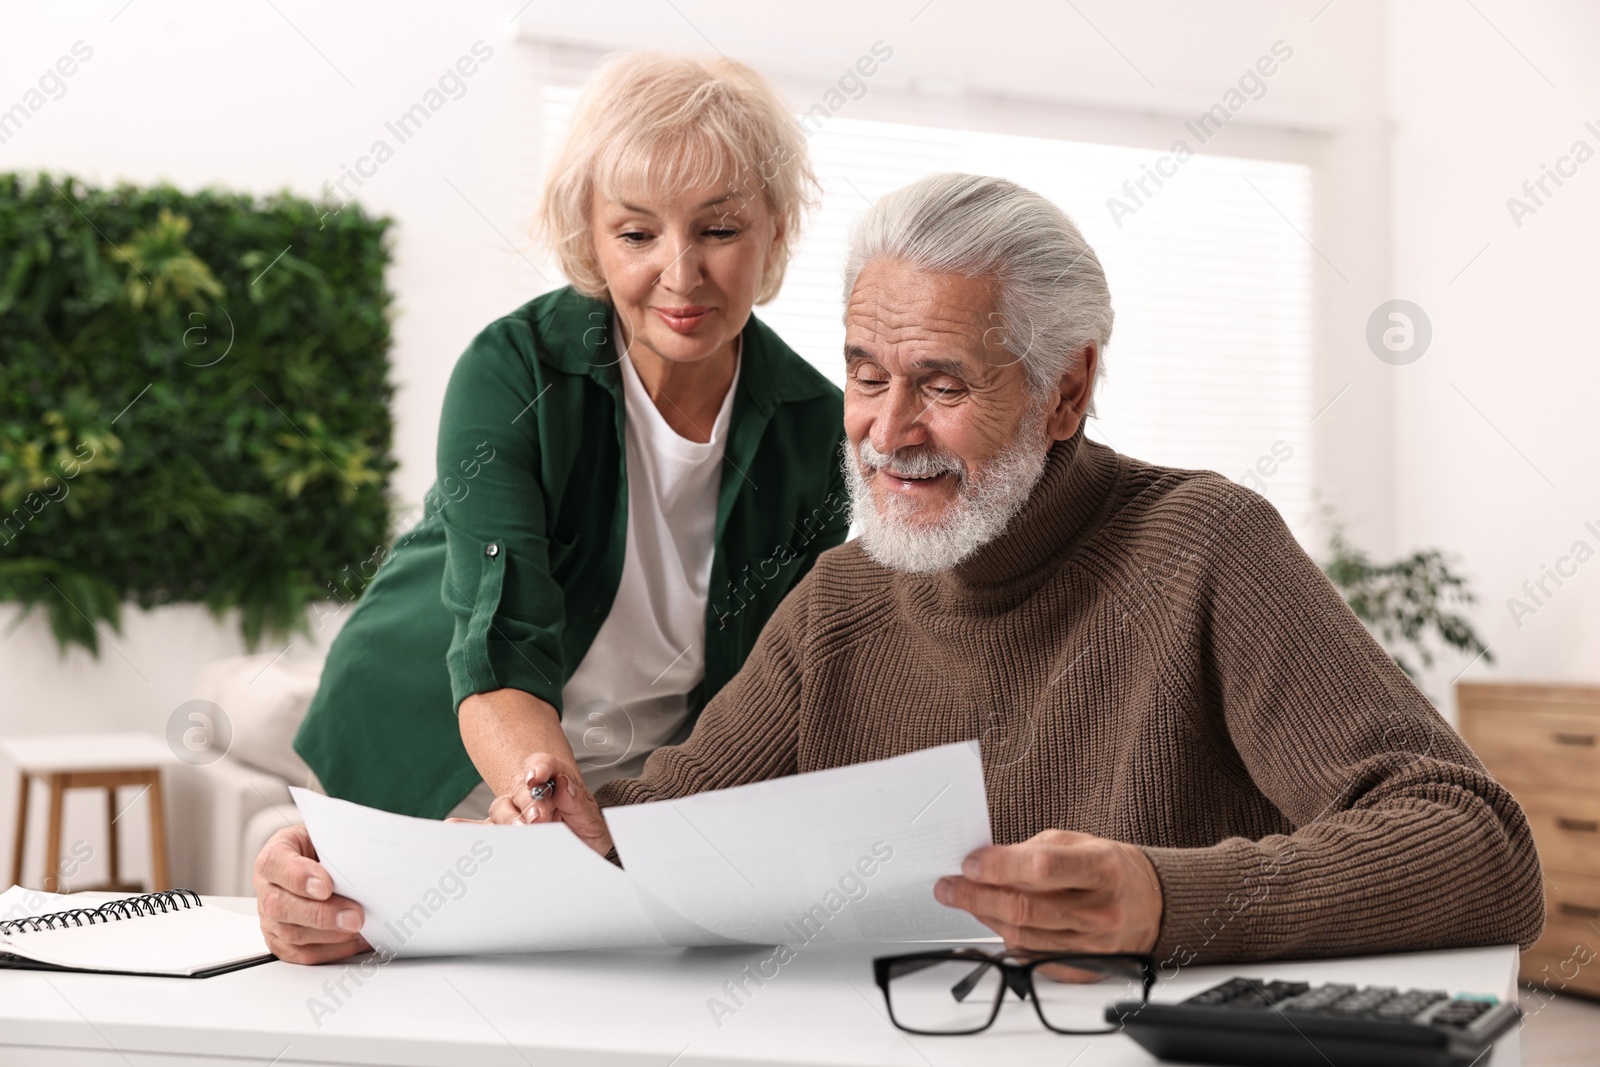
x: 1053, y: 298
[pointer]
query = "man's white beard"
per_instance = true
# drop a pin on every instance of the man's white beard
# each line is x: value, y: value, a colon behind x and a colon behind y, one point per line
x: 980, y: 512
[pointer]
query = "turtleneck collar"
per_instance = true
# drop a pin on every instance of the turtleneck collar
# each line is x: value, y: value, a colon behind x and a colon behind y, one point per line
x: 1065, y: 506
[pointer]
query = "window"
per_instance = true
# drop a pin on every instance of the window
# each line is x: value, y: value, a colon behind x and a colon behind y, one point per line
x: 1210, y: 362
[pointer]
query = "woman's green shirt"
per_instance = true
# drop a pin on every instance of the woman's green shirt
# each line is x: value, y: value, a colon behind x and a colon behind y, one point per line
x: 505, y: 580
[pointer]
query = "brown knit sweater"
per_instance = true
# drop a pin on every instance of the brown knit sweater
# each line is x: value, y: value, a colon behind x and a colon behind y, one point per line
x: 1148, y: 655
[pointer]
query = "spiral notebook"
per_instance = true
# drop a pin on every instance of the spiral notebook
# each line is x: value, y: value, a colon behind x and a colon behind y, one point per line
x: 172, y: 934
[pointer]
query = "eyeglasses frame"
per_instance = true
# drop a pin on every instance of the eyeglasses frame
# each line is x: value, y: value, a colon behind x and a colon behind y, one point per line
x: 1016, y: 969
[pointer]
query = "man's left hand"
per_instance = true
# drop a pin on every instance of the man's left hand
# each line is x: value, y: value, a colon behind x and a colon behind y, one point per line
x: 1061, y: 891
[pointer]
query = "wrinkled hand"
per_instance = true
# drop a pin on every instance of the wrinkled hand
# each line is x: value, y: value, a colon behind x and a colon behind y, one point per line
x: 572, y: 803
x: 1061, y: 891
x: 301, y: 918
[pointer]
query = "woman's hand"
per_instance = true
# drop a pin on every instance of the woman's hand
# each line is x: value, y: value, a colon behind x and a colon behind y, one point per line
x: 500, y: 728
x: 572, y: 803
x: 301, y: 918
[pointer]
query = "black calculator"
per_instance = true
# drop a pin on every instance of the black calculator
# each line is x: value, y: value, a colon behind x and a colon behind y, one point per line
x: 1247, y: 1021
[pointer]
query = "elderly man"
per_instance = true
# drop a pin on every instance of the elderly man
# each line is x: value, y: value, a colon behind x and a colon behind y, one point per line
x: 1190, y: 745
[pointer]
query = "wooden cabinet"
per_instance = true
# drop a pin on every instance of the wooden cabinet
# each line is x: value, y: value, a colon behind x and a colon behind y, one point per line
x: 1542, y: 742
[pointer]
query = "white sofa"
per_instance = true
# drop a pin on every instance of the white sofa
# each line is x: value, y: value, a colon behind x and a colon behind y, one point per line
x: 221, y: 813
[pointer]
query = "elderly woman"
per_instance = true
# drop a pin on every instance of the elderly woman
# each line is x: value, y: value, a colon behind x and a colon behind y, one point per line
x: 632, y: 473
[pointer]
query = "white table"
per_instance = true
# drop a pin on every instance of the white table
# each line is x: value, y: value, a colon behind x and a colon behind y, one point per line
x: 643, y: 1009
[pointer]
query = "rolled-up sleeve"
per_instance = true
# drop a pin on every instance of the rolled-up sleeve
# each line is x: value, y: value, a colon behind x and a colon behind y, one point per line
x: 508, y: 610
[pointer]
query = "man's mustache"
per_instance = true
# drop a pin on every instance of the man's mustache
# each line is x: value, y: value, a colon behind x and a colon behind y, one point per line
x: 911, y: 462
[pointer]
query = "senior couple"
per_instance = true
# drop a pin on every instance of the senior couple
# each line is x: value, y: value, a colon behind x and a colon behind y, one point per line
x: 632, y: 579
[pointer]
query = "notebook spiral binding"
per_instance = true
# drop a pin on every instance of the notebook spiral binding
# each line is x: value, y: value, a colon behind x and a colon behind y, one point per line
x: 126, y: 908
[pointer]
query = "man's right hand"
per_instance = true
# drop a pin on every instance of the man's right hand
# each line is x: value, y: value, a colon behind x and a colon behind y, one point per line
x: 302, y: 919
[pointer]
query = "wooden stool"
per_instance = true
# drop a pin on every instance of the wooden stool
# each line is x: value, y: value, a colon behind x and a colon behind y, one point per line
x: 90, y: 761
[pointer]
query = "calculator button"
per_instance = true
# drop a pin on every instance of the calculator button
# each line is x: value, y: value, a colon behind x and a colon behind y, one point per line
x: 1460, y: 1013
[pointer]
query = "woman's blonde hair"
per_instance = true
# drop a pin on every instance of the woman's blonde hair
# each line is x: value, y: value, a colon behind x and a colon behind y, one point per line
x: 654, y: 120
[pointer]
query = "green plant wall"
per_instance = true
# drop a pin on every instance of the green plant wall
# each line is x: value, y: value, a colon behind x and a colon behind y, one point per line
x: 194, y: 401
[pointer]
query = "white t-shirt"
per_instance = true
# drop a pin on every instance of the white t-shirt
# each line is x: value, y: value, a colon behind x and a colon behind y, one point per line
x: 630, y: 693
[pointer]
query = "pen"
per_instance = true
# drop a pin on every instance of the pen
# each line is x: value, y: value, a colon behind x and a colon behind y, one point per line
x: 541, y: 790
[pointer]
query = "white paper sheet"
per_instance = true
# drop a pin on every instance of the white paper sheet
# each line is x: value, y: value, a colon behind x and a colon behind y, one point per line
x: 433, y: 888
x: 848, y: 854
x: 19, y: 902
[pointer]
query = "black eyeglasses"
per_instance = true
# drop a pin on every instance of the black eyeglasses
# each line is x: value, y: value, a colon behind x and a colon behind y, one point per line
x: 958, y: 991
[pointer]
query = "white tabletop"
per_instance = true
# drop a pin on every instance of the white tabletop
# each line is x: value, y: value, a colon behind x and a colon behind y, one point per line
x: 588, y: 1009
x: 87, y: 752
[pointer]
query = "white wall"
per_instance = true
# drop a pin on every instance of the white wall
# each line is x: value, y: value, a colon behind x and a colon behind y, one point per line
x: 1494, y: 446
